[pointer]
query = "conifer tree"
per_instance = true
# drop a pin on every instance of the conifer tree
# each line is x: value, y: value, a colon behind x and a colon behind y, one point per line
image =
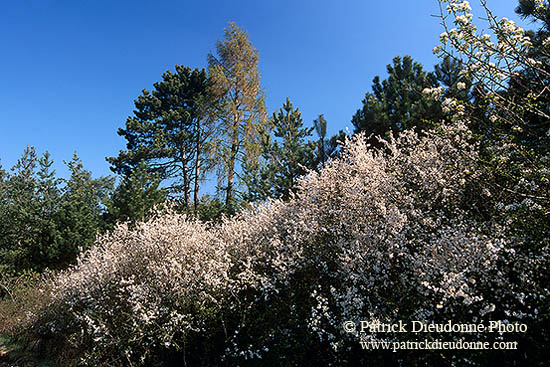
x: 531, y: 85
x: 236, y: 81
x: 19, y: 231
x: 334, y: 144
x: 82, y: 208
x: 397, y: 103
x: 42, y: 223
x: 320, y: 125
x: 47, y: 251
x: 536, y: 11
x: 449, y: 74
x: 285, y: 157
x: 3, y: 197
x: 168, y: 131
x: 3, y: 176
x: 326, y: 148
x: 135, y: 196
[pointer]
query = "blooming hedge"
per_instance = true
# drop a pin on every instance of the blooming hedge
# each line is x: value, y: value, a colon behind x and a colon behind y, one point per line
x: 431, y: 228
x: 383, y: 235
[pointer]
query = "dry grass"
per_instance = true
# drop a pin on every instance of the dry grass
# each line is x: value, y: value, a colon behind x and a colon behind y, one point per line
x: 25, y: 297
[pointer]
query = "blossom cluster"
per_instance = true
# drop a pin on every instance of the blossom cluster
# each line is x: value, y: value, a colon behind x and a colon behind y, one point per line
x: 378, y: 233
x: 493, y: 59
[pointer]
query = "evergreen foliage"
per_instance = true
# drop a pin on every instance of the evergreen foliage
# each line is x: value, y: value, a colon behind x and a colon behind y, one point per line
x: 168, y: 131
x: 449, y: 75
x: 135, y: 197
x: 45, y: 222
x: 397, y: 103
x: 82, y: 208
x: 320, y: 125
x: 533, y: 86
x: 285, y: 157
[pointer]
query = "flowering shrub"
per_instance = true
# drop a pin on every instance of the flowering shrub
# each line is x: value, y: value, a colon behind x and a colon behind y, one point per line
x: 495, y: 60
x: 510, y: 71
x: 424, y: 228
x: 378, y: 234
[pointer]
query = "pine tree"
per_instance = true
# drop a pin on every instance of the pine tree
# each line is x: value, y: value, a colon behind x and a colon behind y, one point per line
x: 236, y: 80
x: 42, y: 225
x: 47, y: 251
x: 3, y: 195
x: 531, y: 85
x: 326, y: 148
x: 3, y: 177
x: 397, y: 103
x: 19, y: 233
x: 334, y: 144
x: 135, y: 196
x: 536, y: 11
x: 285, y: 157
x: 168, y: 131
x: 82, y: 208
x: 320, y: 125
x: 449, y: 74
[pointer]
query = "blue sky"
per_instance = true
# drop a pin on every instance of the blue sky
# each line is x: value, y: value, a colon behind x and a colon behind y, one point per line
x: 70, y: 70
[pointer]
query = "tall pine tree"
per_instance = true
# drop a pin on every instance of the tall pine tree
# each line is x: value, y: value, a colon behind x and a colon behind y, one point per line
x: 47, y: 252
x: 45, y: 221
x: 285, y: 157
x: 320, y: 125
x: 19, y: 231
x: 531, y: 84
x: 82, y: 208
x: 168, y: 131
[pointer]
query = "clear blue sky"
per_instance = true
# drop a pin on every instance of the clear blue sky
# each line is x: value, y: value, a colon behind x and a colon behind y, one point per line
x: 70, y: 70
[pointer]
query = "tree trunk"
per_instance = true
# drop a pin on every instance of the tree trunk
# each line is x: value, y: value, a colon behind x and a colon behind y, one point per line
x: 230, y: 174
x: 184, y: 168
x: 197, y: 168
x: 185, y: 174
x: 231, y: 168
x: 322, y: 151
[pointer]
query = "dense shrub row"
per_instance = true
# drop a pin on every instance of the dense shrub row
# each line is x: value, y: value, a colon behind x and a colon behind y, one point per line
x: 377, y: 235
x: 448, y: 225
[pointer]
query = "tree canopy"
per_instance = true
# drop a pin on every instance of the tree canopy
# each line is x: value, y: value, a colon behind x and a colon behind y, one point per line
x: 397, y: 103
x: 284, y: 158
x: 167, y: 132
x: 45, y: 221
